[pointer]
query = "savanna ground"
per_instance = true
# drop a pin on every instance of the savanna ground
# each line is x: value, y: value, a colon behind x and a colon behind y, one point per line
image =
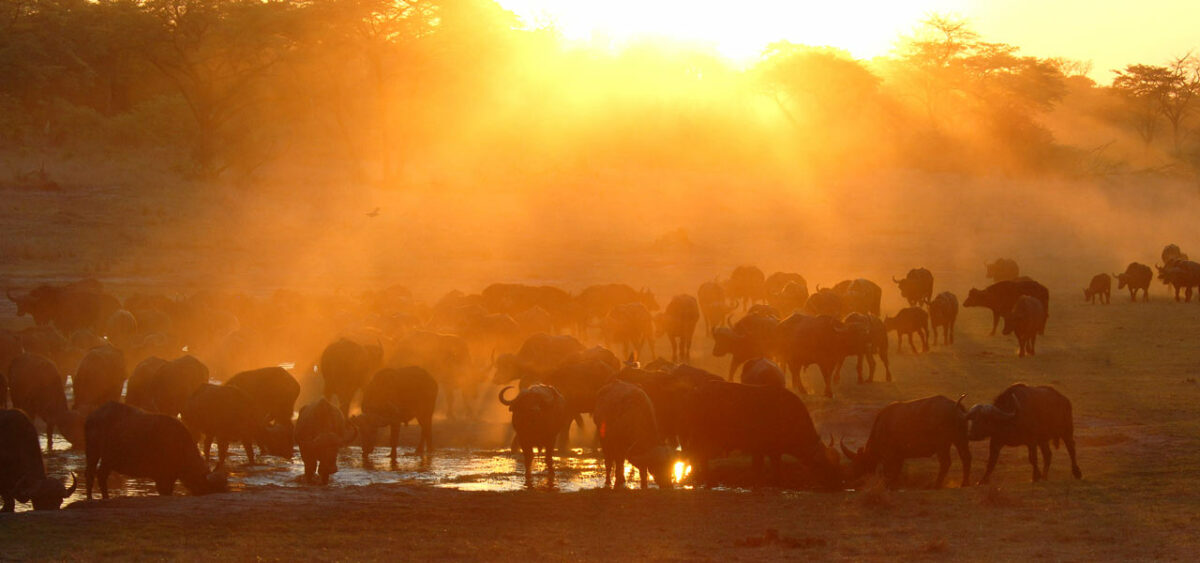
x: 1129, y: 369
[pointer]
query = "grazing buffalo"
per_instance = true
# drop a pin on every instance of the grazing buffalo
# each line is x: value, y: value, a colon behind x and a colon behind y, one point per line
x: 321, y: 431
x: 624, y: 417
x: 447, y: 358
x: 759, y: 420
x: 538, y: 355
x: 1001, y: 296
x: 678, y: 324
x: 134, y: 443
x: 272, y: 391
x: 916, y: 287
x: 910, y: 430
x: 37, y: 389
x: 631, y: 325
x: 786, y: 292
x: 22, y: 474
x: 99, y: 378
x: 1137, y: 276
x: 392, y: 398
x: 1025, y: 416
x: 761, y: 371
x: 1003, y: 269
x: 345, y: 367
x: 746, y: 285
x: 539, y: 413
x: 1180, y: 274
x: 1099, y: 289
x: 1171, y: 253
x: 714, y: 308
x: 943, y: 312
x: 1024, y: 320
x: 867, y: 339
x: 157, y: 385
x: 80, y: 305
x: 228, y: 414
x: 750, y: 337
x: 910, y: 320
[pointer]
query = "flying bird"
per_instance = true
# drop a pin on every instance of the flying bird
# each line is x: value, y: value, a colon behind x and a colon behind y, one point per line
x: 374, y: 213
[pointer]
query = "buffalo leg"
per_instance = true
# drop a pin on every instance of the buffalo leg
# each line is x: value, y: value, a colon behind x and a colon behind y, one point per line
x: 549, y: 453
x: 1070, y: 442
x: 797, y: 382
x: 222, y: 451
x: 993, y: 457
x: 1034, y: 462
x: 891, y: 472
x: 644, y: 476
x: 619, y: 464
x: 995, y: 322
x: 102, y: 475
x: 208, y: 440
x: 924, y: 340
x: 1045, y: 447
x: 527, y: 453
x: 964, y: 457
x: 1033, y: 344
x: 165, y: 487
x: 10, y: 504
x: 871, y: 366
x: 608, y: 467
x: 943, y: 467
x: 49, y: 437
x: 394, y: 439
x: 828, y: 376
x: 426, y: 444
x: 248, y: 445
x: 950, y: 329
x: 912, y: 344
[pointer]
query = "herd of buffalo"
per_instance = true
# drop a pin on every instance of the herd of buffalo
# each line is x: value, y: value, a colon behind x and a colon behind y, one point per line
x: 398, y: 359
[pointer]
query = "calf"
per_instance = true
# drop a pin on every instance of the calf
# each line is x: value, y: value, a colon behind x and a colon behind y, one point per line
x: 1137, y: 276
x: 539, y: 413
x: 624, y: 417
x: 914, y: 429
x: 22, y: 473
x: 943, y: 312
x: 1100, y: 289
x: 1026, y: 317
x: 132, y: 442
x: 321, y: 431
x: 1025, y: 416
x: 392, y: 398
x: 37, y: 389
x: 910, y: 320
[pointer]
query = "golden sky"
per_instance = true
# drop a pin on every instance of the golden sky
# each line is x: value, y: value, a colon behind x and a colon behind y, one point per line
x: 1110, y: 33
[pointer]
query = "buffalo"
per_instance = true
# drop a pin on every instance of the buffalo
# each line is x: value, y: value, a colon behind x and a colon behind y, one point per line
x: 825, y: 302
x: 910, y: 430
x: 345, y: 367
x: 1180, y: 274
x: 746, y: 285
x: 678, y: 324
x: 859, y: 296
x: 80, y: 305
x: 321, y: 431
x: 579, y: 382
x: 1025, y: 416
x: 157, y: 385
x: 392, y: 398
x: 762, y: 371
x: 1099, y: 289
x: 624, y: 417
x: 1137, y: 276
x: 910, y: 320
x: 22, y: 473
x: 597, y: 301
x: 668, y: 389
x: 447, y: 358
x: 1003, y: 269
x: 751, y: 337
x: 539, y: 413
x: 802, y: 340
x: 713, y: 306
x: 786, y: 292
x: 631, y: 325
x: 868, y: 339
x: 1024, y: 320
x: 99, y: 378
x: 1001, y: 296
x: 131, y: 442
x: 759, y: 420
x: 538, y: 355
x: 226, y: 414
x: 943, y: 312
x: 272, y: 391
x: 37, y: 389
x: 916, y: 287
x: 1171, y: 253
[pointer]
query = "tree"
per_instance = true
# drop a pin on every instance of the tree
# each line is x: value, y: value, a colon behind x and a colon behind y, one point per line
x: 815, y: 86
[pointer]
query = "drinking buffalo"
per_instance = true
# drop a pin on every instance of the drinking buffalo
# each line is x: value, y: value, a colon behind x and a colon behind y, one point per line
x: 22, y: 473
x: 624, y: 417
x: 539, y: 413
x: 1025, y: 416
x: 911, y: 430
x: 227, y: 414
x: 321, y: 431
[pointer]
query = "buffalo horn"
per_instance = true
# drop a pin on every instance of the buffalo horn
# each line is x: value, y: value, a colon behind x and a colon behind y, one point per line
x: 959, y: 403
x: 503, y: 401
x: 895, y: 280
x: 846, y: 451
x: 74, y: 484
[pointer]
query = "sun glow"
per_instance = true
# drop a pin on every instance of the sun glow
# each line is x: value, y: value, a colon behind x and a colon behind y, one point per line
x: 681, y: 471
x: 739, y: 31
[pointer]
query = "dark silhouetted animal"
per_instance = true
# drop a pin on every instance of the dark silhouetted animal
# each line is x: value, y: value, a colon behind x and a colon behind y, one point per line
x: 538, y: 355
x: 22, y: 474
x: 859, y: 296
x: 910, y: 430
x: 909, y: 321
x: 134, y: 443
x: 825, y: 302
x: 447, y: 358
x: 802, y: 340
x: 1137, y: 276
x: 345, y: 367
x: 867, y: 339
x: 227, y: 414
x: 597, y: 301
x: 578, y: 382
x: 80, y: 305
x: 1171, y: 253
x: 121, y: 328
x: 631, y: 325
x: 761, y: 371
x: 1100, y: 289
x: 762, y: 421
x: 747, y: 285
x: 668, y: 390
x: 99, y: 378
x: 751, y: 337
x: 1001, y: 296
x: 392, y: 398
x: 1180, y: 274
x: 624, y: 417
x: 943, y: 312
x: 164, y: 387
x: 37, y: 389
x: 713, y: 306
x: 321, y: 431
x: 786, y: 292
x: 539, y: 413
x: 273, y: 393
x: 1003, y: 269
x: 678, y: 324
x: 1025, y: 416
x: 1024, y: 320
x: 916, y: 287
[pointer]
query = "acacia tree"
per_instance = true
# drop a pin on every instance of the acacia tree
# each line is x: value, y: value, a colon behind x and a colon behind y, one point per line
x: 815, y: 86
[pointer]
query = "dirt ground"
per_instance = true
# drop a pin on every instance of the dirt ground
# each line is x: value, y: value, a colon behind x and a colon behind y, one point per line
x: 1130, y: 370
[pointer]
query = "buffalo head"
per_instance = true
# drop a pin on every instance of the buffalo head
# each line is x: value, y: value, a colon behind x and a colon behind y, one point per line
x: 975, y: 298
x: 660, y: 462
x: 45, y: 494
x: 986, y: 420
x: 724, y: 340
